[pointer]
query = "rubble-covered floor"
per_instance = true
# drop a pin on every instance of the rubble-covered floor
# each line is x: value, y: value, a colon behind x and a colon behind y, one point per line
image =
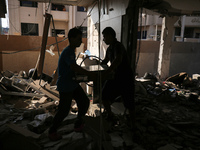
x: 166, y: 119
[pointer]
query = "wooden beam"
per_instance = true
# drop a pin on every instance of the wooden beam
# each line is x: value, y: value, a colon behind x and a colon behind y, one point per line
x: 21, y: 94
x: 43, y: 90
x: 1, y: 61
x: 44, y: 43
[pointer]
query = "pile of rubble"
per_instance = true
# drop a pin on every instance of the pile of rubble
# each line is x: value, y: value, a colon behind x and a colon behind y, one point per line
x: 167, y: 116
x: 168, y: 112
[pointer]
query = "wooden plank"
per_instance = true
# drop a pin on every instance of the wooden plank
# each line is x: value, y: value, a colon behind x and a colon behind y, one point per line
x: 50, y: 95
x: 4, y: 92
x: 44, y: 43
x: 48, y: 88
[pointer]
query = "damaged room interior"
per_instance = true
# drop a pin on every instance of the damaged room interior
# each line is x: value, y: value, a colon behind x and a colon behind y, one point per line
x: 151, y: 44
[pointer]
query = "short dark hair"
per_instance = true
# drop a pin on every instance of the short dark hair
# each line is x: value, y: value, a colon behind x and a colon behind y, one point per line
x: 109, y: 31
x: 73, y: 33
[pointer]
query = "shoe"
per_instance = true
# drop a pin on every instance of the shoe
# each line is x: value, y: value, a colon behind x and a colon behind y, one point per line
x: 54, y: 136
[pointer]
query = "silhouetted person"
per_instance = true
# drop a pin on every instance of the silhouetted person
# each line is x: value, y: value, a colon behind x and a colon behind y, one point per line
x: 69, y: 88
x: 122, y: 83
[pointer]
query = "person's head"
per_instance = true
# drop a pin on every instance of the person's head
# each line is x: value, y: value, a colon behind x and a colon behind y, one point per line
x: 109, y: 35
x: 75, y: 37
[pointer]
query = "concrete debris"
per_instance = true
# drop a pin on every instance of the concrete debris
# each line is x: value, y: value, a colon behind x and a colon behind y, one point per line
x: 40, y: 123
x: 166, y: 114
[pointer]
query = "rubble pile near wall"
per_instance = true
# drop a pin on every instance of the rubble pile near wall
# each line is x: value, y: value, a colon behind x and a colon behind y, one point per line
x: 167, y: 117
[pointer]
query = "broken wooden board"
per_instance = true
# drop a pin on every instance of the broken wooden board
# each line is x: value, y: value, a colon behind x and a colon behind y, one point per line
x: 36, y: 84
x: 4, y: 92
x: 48, y: 88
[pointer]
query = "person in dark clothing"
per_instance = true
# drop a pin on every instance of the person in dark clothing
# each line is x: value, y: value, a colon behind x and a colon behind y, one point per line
x: 68, y: 87
x: 122, y: 83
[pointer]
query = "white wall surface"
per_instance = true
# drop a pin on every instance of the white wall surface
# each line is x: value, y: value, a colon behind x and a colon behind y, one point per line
x: 80, y: 16
x: 14, y: 25
x: 114, y: 10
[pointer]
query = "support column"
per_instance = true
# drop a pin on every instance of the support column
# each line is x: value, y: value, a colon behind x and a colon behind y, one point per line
x: 165, y: 46
x: 0, y: 27
x: 70, y: 22
x: 130, y: 30
x: 182, y: 27
x: 156, y: 32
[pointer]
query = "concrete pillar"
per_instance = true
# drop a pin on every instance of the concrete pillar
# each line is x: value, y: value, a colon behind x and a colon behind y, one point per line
x: 0, y: 27
x: 156, y: 30
x: 165, y: 46
x: 45, y: 6
x: 182, y: 27
x: 151, y: 32
x: 71, y: 22
x: 74, y: 16
x: 14, y: 18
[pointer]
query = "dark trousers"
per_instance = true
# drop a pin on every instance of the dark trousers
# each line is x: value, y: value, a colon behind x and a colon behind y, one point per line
x: 115, y: 88
x: 65, y: 103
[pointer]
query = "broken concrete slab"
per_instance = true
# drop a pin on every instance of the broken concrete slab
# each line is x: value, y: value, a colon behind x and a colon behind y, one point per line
x: 168, y: 147
x: 40, y: 123
x: 22, y: 131
x: 31, y: 113
x: 10, y: 139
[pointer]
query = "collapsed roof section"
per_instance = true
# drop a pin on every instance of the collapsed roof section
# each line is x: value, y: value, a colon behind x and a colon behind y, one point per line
x: 164, y: 7
x: 84, y: 3
x: 173, y: 8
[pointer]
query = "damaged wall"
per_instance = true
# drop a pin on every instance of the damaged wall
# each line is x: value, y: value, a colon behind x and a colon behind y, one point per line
x: 26, y: 60
x: 184, y: 58
x: 148, y: 57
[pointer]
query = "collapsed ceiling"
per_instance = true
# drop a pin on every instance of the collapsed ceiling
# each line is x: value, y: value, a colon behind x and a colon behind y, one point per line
x: 84, y: 3
x: 164, y: 7
x: 173, y: 7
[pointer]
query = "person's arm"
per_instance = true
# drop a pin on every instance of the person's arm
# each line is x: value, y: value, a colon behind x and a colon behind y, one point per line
x: 118, y: 59
x: 115, y: 64
x: 105, y: 60
x: 78, y: 69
